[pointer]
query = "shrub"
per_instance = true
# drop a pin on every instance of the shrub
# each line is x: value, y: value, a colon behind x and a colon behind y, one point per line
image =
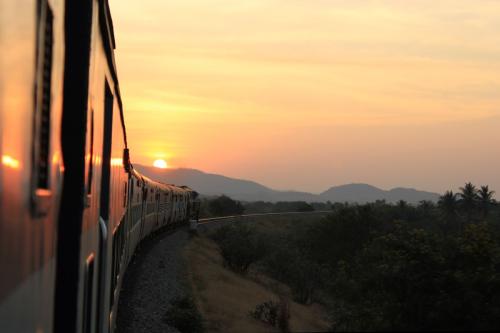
x: 276, y: 314
x: 184, y: 316
x: 300, y: 273
x: 266, y: 312
x: 240, y: 246
x: 224, y: 205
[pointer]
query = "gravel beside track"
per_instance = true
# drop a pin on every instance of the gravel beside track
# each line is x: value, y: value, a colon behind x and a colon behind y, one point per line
x: 153, y: 279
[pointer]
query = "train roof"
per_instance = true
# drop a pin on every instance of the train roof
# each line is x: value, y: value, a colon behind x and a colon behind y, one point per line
x: 151, y: 182
x: 108, y: 37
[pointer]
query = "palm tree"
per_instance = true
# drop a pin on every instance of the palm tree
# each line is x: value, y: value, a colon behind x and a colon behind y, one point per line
x: 485, y: 199
x: 402, y: 204
x: 468, y: 200
x: 425, y: 207
x: 448, y: 204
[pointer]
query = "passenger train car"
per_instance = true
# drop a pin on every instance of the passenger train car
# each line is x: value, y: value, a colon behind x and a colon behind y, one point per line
x: 72, y: 207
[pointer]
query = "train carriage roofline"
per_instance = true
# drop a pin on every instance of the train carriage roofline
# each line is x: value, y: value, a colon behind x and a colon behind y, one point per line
x: 107, y: 29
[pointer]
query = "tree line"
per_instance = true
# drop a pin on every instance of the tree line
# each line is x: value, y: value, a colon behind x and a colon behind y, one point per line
x: 225, y: 206
x: 380, y: 266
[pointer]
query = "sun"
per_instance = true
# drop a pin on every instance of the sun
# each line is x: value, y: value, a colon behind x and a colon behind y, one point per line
x: 161, y: 164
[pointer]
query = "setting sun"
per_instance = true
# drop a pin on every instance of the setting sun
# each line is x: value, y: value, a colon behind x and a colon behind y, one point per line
x: 162, y: 164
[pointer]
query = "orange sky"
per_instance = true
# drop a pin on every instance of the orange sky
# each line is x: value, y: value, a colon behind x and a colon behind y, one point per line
x: 302, y: 94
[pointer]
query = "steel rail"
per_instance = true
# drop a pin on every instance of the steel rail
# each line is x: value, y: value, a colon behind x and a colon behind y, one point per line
x: 222, y: 218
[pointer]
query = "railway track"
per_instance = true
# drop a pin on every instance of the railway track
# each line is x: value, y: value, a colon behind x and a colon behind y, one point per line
x: 222, y: 218
x: 157, y: 269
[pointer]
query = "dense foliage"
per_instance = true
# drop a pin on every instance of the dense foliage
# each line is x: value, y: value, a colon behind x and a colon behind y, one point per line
x: 240, y: 246
x: 220, y: 206
x: 288, y: 206
x: 386, y: 266
x: 224, y: 205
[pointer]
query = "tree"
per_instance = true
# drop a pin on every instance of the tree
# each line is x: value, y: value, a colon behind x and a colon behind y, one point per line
x: 425, y: 208
x: 402, y: 204
x: 485, y: 200
x: 304, y: 207
x: 448, y: 204
x: 224, y: 205
x: 416, y: 280
x: 468, y: 200
x: 240, y: 246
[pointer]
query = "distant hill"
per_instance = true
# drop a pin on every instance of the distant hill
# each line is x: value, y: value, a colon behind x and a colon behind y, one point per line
x: 362, y: 193
x: 245, y: 190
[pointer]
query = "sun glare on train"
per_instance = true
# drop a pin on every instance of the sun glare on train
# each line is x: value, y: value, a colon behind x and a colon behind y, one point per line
x: 161, y: 164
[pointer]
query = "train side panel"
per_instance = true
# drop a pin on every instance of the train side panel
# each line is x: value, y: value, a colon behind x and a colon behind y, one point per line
x: 120, y: 207
x: 106, y: 187
x: 31, y: 170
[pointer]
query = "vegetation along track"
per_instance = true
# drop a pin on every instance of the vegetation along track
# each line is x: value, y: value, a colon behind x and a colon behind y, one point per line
x: 156, y: 276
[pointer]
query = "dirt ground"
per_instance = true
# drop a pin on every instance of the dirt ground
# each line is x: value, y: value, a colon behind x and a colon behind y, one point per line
x: 225, y: 298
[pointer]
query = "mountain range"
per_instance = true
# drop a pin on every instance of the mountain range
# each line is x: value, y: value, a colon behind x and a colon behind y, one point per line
x: 211, y: 184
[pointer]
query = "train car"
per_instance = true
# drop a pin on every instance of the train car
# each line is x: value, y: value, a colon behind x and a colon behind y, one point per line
x: 122, y: 207
x: 31, y: 169
x: 72, y: 207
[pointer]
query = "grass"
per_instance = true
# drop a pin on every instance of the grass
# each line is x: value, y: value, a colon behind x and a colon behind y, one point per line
x: 225, y: 298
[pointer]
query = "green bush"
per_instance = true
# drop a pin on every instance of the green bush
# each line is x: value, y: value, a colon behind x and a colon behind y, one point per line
x: 303, y: 275
x: 184, y: 316
x: 224, y: 205
x: 412, y: 279
x: 276, y: 314
x: 240, y: 246
x: 266, y: 312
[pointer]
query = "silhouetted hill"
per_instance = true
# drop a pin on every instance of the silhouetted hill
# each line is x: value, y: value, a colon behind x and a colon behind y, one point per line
x: 362, y: 193
x: 212, y: 184
x: 205, y: 183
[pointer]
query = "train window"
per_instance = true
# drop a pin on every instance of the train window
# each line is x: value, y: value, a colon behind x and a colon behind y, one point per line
x: 125, y: 194
x: 131, y: 191
x: 91, y: 154
x: 106, y: 152
x: 40, y: 154
x: 43, y: 99
x: 88, y: 294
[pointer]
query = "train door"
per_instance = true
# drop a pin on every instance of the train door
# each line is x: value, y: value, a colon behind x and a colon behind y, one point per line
x: 104, y: 205
x: 77, y: 39
x: 129, y: 221
x: 158, y: 209
x: 165, y: 208
x: 144, y: 210
x: 106, y: 154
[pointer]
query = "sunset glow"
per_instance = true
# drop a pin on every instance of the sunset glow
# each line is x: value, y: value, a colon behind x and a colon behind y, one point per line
x: 307, y: 94
x: 10, y: 162
x: 161, y: 164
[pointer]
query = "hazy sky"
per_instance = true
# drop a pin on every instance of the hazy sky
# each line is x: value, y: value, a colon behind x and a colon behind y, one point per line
x: 305, y: 94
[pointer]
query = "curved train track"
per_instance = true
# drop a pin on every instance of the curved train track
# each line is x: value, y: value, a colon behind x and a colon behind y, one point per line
x: 208, y: 220
x: 157, y: 275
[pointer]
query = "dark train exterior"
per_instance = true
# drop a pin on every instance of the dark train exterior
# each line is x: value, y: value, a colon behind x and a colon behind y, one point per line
x: 72, y: 207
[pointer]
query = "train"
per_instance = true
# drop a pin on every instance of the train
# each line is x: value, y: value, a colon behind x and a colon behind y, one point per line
x: 73, y: 208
